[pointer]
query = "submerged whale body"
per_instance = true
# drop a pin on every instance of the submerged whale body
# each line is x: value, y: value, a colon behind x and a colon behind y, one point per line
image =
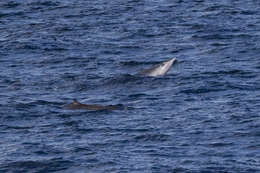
x: 94, y: 107
x: 159, y: 69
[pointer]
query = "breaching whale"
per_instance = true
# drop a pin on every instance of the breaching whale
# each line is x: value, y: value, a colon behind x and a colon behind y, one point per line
x: 159, y: 69
x: 94, y: 107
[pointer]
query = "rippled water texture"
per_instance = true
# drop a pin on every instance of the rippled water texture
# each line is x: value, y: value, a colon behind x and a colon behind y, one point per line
x: 203, y: 116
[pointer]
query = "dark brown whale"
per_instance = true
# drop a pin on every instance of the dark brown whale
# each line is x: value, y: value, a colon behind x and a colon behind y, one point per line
x: 94, y: 107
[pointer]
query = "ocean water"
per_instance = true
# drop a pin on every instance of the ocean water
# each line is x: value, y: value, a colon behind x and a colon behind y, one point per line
x: 202, y: 117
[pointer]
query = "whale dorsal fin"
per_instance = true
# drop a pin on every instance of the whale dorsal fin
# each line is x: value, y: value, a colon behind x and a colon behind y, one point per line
x: 75, y: 102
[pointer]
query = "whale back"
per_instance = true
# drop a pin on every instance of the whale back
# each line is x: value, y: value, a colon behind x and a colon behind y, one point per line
x: 78, y: 105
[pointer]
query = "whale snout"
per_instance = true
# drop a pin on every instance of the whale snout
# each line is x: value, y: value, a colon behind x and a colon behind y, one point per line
x: 173, y: 60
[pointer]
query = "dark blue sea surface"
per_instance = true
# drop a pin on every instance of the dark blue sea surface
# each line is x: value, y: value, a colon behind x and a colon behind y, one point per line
x: 202, y: 117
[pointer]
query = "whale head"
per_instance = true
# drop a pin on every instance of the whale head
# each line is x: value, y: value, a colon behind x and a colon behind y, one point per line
x: 159, y: 69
